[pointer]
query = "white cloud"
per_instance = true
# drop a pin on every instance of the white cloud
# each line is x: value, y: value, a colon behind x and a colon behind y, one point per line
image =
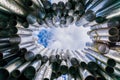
x: 69, y: 38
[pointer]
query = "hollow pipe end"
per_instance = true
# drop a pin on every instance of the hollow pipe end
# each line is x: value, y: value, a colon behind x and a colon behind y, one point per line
x: 4, y: 74
x: 92, y: 66
x: 16, y: 73
x: 90, y: 78
x: 29, y: 72
x: 111, y: 62
x: 29, y: 56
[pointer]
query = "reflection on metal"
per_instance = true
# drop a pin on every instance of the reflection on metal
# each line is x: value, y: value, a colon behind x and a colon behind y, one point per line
x: 13, y: 7
x: 22, y: 56
x: 104, y: 32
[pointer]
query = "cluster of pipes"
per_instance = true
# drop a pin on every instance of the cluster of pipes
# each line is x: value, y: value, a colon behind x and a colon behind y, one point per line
x: 22, y: 58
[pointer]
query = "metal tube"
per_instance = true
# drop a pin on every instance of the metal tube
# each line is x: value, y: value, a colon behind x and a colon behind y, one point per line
x: 32, y: 19
x: 59, y: 56
x: 47, y: 4
x: 31, y: 27
x: 24, y: 31
x: 112, y: 14
x: 58, y: 12
x: 86, y: 75
x: 4, y: 9
x: 3, y: 25
x: 7, y: 32
x: 104, y: 32
x: 89, y: 16
x: 4, y: 45
x: 49, y: 22
x: 39, y: 75
x: 69, y: 20
x: 97, y: 46
x: 36, y: 2
x: 72, y: 70
x: 44, y: 57
x: 5, y: 72
x: 91, y: 65
x: 31, y: 47
x: 98, y: 20
x: 13, y: 7
x: 11, y: 40
x: 104, y: 25
x: 82, y: 61
x: 55, y: 70
x: 106, y: 75
x: 30, y: 71
x: 76, y: 17
x: 109, y: 61
x: 41, y: 13
x: 68, y: 5
x: 106, y: 38
x: 53, y: 58
x: 17, y: 72
x: 104, y: 67
x: 103, y: 4
x: 72, y: 58
x: 114, y: 45
x: 26, y: 38
x: 91, y: 4
x: 27, y: 4
x: 48, y: 54
x: 4, y: 54
x: 70, y: 77
x: 61, y: 5
x: 108, y: 9
x: 63, y: 22
x: 114, y: 55
x: 8, y: 60
x: 99, y: 77
x: 79, y: 7
x: 26, y: 45
x: 37, y: 50
x: 40, y: 3
x: 62, y: 77
x: 56, y: 21
x: 31, y: 54
x: 42, y: 23
x: 32, y: 6
x: 4, y: 39
x: 110, y: 70
x: 63, y: 67
x: 48, y: 73
x: 15, y: 50
x: 71, y: 12
x: 54, y: 6
x: 14, y: 65
x: 63, y: 55
x: 65, y: 12
x: 22, y: 25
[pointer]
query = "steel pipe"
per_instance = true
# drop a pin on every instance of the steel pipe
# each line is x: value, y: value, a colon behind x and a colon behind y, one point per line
x: 5, y: 72
x: 13, y: 7
x: 17, y: 72
x: 30, y: 71
x: 41, y: 71
x: 108, y: 61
